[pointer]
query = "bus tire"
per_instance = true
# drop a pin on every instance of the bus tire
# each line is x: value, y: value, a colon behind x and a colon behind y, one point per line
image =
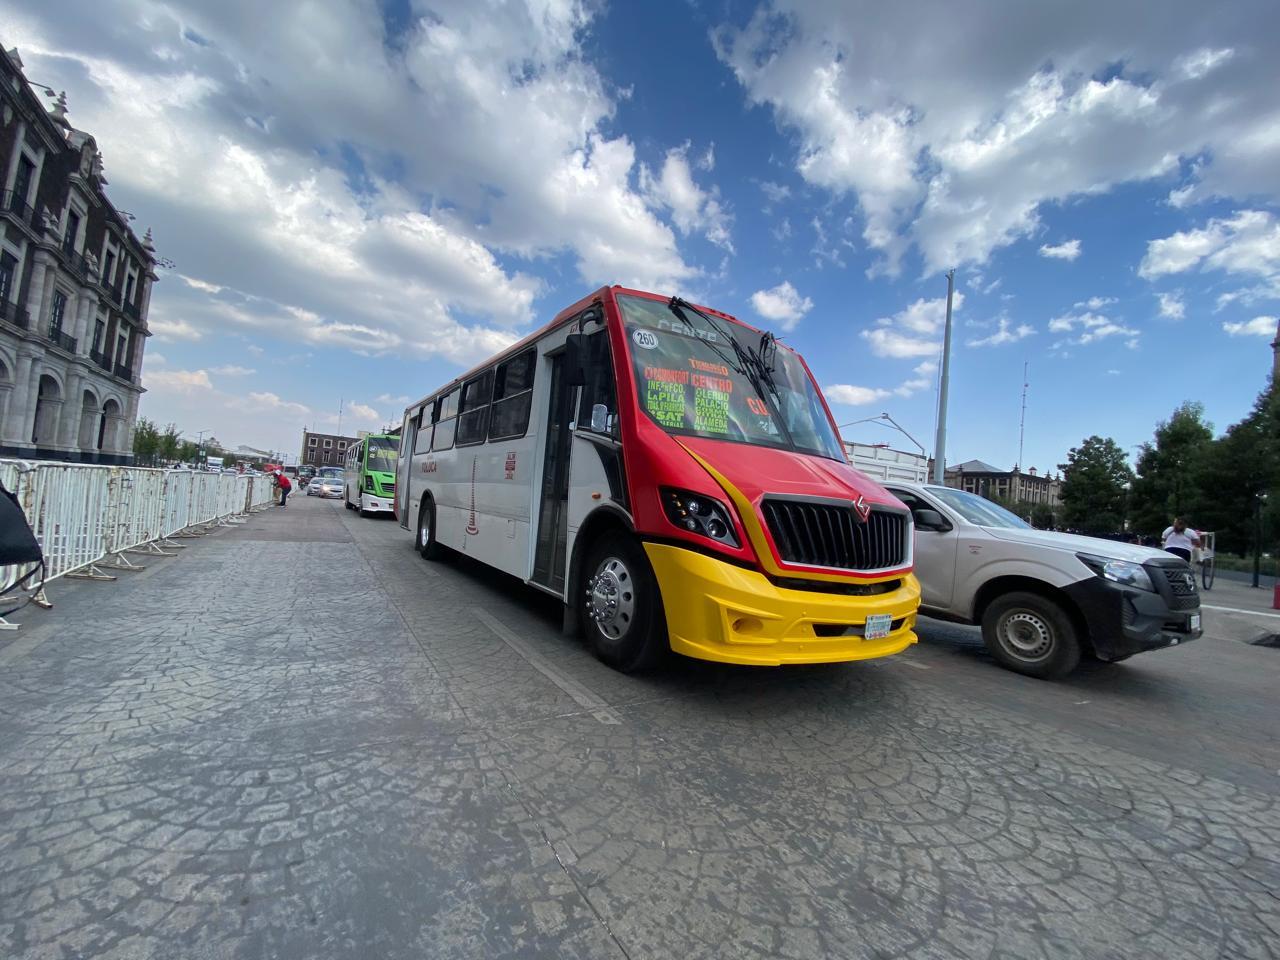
x: 427, y: 544
x: 1032, y: 635
x: 622, y: 608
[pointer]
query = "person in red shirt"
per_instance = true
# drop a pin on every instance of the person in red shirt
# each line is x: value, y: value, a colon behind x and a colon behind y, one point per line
x: 285, y: 486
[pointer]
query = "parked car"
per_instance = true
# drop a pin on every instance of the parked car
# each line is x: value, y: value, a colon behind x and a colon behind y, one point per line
x: 322, y: 486
x: 1044, y: 599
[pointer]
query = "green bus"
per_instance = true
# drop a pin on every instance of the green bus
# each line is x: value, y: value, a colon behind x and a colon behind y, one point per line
x: 369, y: 474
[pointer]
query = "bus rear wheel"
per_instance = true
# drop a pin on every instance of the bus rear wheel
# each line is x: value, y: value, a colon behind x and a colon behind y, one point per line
x: 426, y: 542
x: 623, y: 612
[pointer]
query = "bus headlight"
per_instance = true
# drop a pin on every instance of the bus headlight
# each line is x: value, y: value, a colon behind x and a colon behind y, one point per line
x: 700, y: 514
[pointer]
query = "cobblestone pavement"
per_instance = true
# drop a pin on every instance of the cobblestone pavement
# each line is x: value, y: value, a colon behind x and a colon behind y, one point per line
x: 299, y: 740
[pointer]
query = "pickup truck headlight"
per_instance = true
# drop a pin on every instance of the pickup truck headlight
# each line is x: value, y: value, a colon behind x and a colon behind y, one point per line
x: 1119, y: 571
x: 700, y: 514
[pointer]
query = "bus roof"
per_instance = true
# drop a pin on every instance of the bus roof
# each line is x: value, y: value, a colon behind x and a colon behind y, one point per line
x: 564, y: 316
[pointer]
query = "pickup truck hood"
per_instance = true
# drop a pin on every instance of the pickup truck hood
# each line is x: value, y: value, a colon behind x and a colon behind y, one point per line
x: 760, y: 470
x: 1077, y: 544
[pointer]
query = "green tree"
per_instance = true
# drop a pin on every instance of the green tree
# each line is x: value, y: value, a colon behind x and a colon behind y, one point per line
x: 1042, y: 516
x: 168, y: 444
x: 1167, y: 484
x: 1094, y: 481
x: 146, y: 441
x: 1242, y: 469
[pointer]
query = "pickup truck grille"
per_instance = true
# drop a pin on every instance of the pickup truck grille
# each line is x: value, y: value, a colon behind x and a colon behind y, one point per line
x: 1182, y: 588
x: 830, y: 535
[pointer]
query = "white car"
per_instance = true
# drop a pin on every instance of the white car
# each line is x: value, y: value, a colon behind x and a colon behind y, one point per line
x: 325, y: 487
x: 1044, y: 599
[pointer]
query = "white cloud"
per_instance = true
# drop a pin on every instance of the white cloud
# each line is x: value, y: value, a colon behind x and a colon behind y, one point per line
x: 1091, y: 327
x: 1067, y: 250
x: 781, y: 304
x: 1246, y: 243
x: 774, y: 192
x: 294, y: 212
x: 957, y: 155
x: 1172, y: 306
x: 232, y: 370
x: 853, y: 396
x: 399, y: 401
x: 912, y: 332
x: 254, y: 349
x: 176, y: 381
x: 266, y: 400
x: 692, y: 208
x: 1096, y: 303
x: 1006, y: 332
x: 1257, y: 327
x: 856, y: 396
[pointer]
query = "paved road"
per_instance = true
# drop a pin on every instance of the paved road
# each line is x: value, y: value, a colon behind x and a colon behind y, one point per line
x: 299, y: 740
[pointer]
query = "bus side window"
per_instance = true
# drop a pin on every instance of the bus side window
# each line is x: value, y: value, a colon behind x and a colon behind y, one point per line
x: 423, y: 443
x: 447, y: 421
x: 473, y: 421
x: 512, y: 397
x: 600, y: 387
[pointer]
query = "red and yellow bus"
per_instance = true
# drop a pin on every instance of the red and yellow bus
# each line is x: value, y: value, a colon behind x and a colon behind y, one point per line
x: 675, y: 477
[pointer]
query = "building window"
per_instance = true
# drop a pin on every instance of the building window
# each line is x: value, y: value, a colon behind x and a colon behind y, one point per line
x: 22, y: 182
x: 328, y: 443
x: 128, y: 289
x: 73, y: 228
x: 108, y: 267
x: 58, y: 311
x: 312, y: 441
x: 342, y: 445
x: 8, y: 274
x: 99, y: 332
x: 122, y: 344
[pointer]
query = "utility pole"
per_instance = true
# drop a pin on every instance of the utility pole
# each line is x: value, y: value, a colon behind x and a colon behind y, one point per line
x: 940, y: 445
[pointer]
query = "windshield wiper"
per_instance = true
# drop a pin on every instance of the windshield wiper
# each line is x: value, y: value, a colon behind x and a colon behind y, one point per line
x: 749, y: 363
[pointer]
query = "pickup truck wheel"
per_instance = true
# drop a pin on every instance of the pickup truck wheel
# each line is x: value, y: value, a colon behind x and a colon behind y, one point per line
x: 1032, y: 635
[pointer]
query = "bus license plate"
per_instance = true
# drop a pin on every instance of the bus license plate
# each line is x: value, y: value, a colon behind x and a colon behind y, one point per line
x: 878, y: 626
x: 1195, y: 621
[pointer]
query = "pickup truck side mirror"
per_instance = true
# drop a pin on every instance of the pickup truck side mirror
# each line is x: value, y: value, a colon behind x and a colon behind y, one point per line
x: 930, y: 520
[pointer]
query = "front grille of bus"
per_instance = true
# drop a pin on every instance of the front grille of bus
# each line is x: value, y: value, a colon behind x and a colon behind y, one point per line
x: 831, y: 535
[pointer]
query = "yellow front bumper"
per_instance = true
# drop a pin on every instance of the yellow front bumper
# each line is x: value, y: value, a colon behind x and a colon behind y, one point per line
x: 718, y: 611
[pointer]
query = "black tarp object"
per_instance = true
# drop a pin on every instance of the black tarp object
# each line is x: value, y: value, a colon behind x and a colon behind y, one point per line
x: 17, y: 543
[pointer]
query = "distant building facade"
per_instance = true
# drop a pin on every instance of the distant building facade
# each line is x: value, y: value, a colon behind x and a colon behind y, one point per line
x: 1012, y: 486
x: 324, y: 449
x: 75, y: 286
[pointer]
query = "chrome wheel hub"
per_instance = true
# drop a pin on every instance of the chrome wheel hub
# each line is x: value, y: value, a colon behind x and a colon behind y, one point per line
x: 1026, y: 636
x: 611, y: 599
x: 424, y: 533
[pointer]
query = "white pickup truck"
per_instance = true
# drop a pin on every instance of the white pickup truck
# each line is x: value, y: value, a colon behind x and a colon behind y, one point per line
x: 1044, y: 599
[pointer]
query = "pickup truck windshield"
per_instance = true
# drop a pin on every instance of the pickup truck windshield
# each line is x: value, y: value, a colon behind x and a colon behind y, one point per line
x: 979, y: 510
x: 691, y: 381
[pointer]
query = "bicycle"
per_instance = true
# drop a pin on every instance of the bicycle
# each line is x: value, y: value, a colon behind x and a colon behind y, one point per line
x: 1205, y: 560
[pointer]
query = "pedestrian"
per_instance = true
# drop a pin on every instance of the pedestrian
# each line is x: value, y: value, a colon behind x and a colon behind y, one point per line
x: 1180, y: 539
x: 285, y: 486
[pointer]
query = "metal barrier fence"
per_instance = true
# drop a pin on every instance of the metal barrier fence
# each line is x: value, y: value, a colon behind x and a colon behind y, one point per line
x: 87, y: 519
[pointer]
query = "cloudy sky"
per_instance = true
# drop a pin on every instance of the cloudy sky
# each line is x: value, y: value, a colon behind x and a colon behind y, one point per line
x: 362, y: 197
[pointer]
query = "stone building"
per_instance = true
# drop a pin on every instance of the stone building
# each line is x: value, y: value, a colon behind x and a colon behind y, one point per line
x: 324, y: 449
x: 1011, y: 486
x: 75, y: 285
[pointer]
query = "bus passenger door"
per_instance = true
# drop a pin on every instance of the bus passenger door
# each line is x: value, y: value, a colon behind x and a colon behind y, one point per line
x: 549, y: 560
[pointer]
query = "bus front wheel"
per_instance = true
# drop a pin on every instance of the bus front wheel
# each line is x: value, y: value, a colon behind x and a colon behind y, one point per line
x: 427, y: 543
x: 622, y: 607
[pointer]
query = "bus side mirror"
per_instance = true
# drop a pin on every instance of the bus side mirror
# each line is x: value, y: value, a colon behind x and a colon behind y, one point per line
x: 575, y: 360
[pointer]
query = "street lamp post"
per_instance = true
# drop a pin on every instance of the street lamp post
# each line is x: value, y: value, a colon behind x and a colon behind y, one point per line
x: 885, y: 418
x: 200, y: 445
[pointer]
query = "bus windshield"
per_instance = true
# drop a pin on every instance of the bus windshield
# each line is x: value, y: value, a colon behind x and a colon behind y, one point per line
x: 382, y: 455
x: 692, y: 381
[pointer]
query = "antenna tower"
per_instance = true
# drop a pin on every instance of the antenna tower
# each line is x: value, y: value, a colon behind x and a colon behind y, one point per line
x: 1022, y: 421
